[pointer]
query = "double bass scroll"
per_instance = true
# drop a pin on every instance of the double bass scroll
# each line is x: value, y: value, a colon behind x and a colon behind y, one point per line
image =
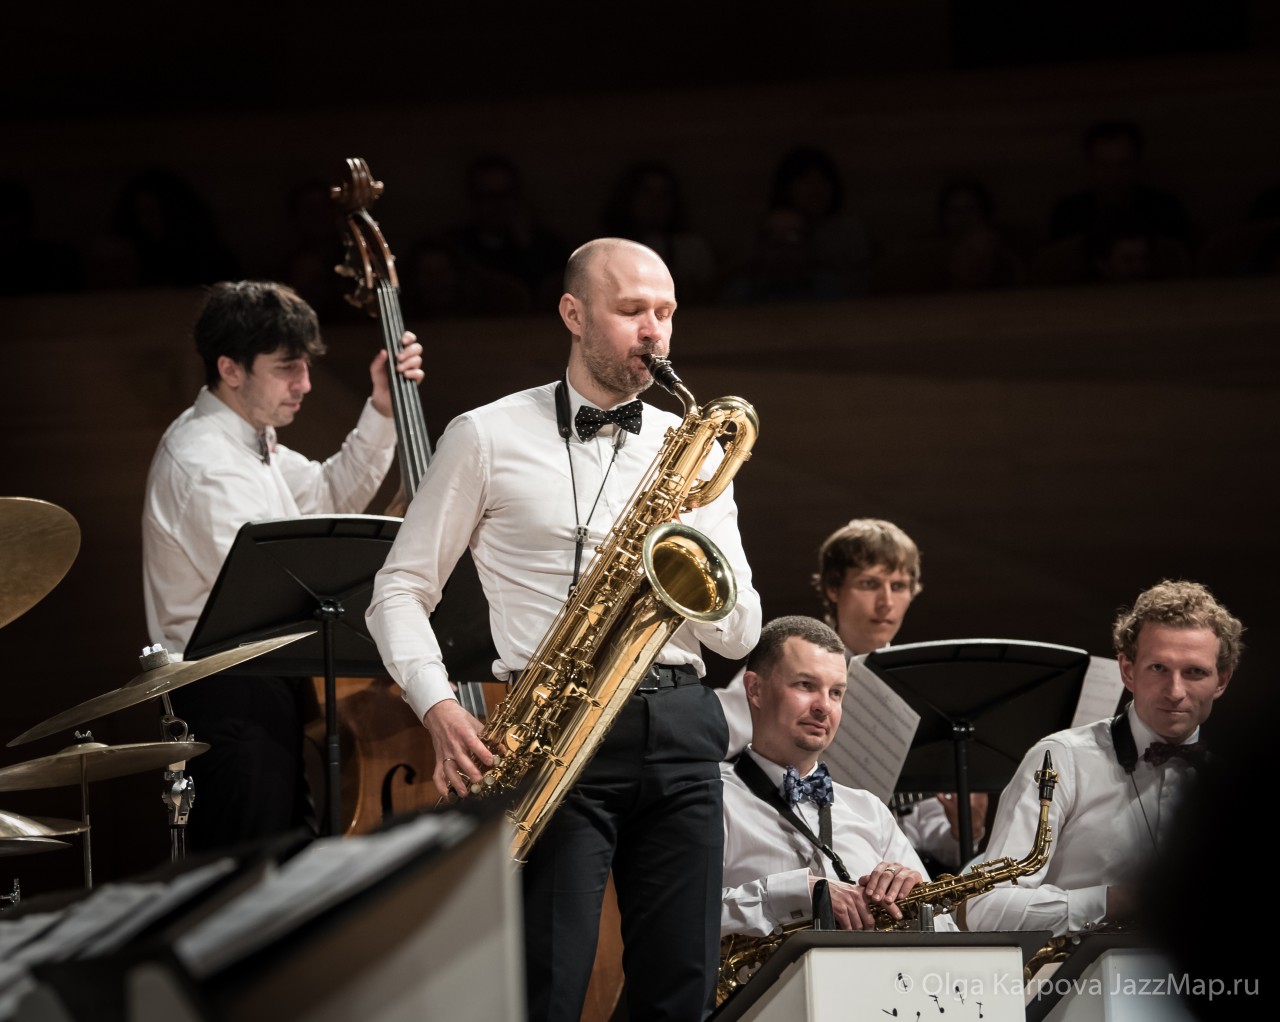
x: 370, y: 264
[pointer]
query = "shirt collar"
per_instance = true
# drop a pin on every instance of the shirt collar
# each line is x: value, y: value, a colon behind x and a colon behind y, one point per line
x: 209, y: 405
x: 771, y: 769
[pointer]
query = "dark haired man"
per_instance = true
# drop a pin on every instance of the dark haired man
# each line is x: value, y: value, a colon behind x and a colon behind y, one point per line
x: 1116, y: 190
x: 1119, y: 780
x: 217, y: 467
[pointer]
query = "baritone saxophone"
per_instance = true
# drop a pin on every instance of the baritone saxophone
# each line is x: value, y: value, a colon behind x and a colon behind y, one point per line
x: 741, y: 956
x: 650, y: 575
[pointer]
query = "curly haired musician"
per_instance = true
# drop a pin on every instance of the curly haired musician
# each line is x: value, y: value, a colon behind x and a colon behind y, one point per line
x: 795, y: 681
x: 217, y: 467
x: 868, y: 575
x: 1119, y: 780
x: 531, y: 484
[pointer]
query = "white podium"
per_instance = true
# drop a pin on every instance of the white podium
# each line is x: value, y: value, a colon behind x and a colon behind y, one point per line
x: 1109, y: 978
x: 821, y: 976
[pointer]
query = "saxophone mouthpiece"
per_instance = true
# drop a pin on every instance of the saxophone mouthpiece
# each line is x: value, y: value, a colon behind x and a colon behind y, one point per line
x: 1048, y: 778
x: 662, y: 372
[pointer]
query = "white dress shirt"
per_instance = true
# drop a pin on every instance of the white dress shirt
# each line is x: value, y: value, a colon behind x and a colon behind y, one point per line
x: 209, y: 477
x: 767, y: 861
x: 500, y: 484
x: 1106, y: 825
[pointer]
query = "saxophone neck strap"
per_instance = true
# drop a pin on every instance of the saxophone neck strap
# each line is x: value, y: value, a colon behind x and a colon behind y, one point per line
x: 756, y: 779
x: 1122, y: 741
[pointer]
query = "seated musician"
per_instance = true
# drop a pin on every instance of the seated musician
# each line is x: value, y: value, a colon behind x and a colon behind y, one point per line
x: 1120, y: 779
x: 868, y: 575
x: 781, y: 806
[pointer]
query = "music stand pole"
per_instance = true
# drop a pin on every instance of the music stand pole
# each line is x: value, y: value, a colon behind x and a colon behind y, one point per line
x: 86, y: 847
x: 328, y: 612
x: 961, y: 735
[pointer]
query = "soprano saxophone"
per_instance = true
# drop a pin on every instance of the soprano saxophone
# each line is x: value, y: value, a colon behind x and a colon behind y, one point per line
x: 650, y: 574
x: 741, y: 956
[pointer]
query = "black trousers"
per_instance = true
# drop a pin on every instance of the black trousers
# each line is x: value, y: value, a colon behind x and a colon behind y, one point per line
x: 649, y: 806
x: 251, y: 783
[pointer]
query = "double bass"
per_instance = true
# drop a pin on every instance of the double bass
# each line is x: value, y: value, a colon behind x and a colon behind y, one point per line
x: 388, y: 759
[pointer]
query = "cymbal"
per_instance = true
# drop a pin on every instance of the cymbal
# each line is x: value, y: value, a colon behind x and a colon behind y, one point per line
x: 162, y: 677
x: 38, y: 542
x: 14, y: 826
x: 94, y: 761
x: 27, y: 845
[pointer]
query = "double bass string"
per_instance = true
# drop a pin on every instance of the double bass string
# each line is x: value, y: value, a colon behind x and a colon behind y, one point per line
x: 410, y: 426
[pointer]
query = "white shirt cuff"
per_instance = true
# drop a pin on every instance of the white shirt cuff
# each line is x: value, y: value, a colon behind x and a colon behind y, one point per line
x: 427, y: 688
x: 788, y: 896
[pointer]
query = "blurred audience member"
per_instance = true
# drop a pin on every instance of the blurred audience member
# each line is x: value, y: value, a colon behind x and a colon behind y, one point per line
x: 438, y: 282
x: 163, y: 235
x: 808, y: 182
x: 968, y: 250
x: 1126, y: 250
x: 315, y: 248
x: 1116, y: 251
x: 30, y: 264
x: 783, y: 267
x: 1114, y: 151
x: 502, y: 233
x: 647, y: 206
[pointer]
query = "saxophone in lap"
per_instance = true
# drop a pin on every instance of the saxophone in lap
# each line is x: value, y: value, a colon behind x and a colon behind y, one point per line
x: 648, y: 577
x: 741, y: 956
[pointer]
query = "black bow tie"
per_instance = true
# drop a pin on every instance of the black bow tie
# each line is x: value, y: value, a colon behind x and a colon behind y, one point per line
x: 1160, y: 752
x: 589, y: 420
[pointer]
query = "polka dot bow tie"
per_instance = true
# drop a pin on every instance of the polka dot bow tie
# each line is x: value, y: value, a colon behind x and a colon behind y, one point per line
x: 816, y: 787
x: 589, y: 420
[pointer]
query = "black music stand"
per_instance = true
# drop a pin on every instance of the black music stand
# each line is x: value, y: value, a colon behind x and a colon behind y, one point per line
x: 982, y: 703
x: 283, y: 575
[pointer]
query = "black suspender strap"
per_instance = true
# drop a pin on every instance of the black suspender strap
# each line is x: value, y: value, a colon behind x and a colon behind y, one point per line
x: 755, y: 779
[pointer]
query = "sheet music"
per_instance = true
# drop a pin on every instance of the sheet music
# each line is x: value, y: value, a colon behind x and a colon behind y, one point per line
x: 1100, y: 692
x: 875, y: 734
x: 111, y: 915
x: 323, y: 874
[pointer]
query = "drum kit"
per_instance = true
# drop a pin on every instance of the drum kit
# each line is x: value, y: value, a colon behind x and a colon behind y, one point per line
x: 38, y: 543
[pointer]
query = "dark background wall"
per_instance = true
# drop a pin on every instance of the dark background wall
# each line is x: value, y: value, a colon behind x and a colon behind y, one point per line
x: 1053, y: 449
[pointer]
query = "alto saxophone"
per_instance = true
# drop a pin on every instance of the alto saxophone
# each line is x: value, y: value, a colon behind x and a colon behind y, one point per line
x: 741, y: 956
x: 650, y: 574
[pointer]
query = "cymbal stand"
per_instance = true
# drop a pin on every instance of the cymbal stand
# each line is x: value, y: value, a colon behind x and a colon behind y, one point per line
x: 87, y: 844
x: 14, y: 896
x: 179, y: 792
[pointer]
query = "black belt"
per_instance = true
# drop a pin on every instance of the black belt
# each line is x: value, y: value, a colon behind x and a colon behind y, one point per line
x: 657, y: 677
x: 661, y: 676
